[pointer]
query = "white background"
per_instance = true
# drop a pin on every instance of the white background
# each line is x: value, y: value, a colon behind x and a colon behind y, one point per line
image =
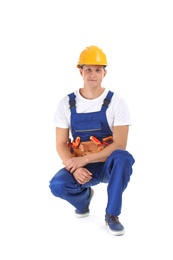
x: 40, y: 42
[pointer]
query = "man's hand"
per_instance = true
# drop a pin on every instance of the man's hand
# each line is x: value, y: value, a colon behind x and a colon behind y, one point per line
x: 74, y: 163
x: 82, y: 175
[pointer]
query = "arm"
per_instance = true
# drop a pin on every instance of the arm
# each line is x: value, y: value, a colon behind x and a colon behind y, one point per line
x: 62, y: 137
x: 73, y: 165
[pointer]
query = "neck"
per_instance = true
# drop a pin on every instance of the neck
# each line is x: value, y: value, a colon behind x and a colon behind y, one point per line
x: 91, y: 93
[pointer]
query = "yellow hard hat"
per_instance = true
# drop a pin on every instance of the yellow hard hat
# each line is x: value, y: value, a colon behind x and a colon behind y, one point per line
x: 92, y: 55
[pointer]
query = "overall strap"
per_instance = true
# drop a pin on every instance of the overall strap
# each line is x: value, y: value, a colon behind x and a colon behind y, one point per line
x: 107, y: 100
x: 72, y: 102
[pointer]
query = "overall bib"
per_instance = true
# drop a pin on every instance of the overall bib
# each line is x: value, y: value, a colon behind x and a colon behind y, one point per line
x: 116, y: 171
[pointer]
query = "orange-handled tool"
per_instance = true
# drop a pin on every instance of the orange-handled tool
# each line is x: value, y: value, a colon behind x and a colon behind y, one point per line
x: 76, y: 142
x: 95, y: 140
x: 107, y: 140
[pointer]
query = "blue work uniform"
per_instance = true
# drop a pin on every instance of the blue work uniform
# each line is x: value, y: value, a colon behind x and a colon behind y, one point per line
x: 115, y: 171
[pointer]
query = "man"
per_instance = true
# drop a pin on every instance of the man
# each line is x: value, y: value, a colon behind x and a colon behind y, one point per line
x: 92, y: 127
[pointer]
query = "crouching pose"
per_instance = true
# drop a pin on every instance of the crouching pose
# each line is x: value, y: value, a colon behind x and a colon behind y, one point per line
x: 92, y: 125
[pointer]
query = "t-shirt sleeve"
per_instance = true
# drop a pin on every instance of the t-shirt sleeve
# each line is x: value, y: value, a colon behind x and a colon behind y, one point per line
x: 62, y: 114
x: 121, y: 113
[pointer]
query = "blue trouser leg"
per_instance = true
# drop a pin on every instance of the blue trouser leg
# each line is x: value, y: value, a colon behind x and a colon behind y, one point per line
x: 116, y: 172
x: 64, y: 186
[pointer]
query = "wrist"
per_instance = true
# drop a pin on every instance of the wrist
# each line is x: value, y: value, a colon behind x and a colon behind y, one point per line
x: 87, y: 160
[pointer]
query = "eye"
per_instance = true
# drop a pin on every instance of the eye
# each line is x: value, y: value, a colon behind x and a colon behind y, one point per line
x: 98, y: 70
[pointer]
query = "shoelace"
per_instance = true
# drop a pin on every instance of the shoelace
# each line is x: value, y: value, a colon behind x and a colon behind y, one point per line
x: 114, y: 217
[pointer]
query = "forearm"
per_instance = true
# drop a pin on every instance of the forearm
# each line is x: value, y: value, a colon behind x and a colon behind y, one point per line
x: 63, y: 152
x: 102, y: 155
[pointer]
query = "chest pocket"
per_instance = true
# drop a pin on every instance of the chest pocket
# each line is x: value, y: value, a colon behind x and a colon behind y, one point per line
x: 87, y: 126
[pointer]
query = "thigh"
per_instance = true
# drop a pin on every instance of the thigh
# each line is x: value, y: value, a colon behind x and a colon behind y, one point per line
x: 95, y: 169
x: 119, y: 162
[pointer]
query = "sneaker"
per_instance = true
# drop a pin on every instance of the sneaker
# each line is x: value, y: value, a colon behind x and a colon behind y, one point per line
x: 85, y: 212
x: 114, y: 225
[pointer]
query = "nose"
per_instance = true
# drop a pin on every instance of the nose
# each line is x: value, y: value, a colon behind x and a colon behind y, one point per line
x: 93, y: 73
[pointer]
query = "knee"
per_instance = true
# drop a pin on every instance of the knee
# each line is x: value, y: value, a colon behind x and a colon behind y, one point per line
x: 56, y: 185
x: 123, y: 156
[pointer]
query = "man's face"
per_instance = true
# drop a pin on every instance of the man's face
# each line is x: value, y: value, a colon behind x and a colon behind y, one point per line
x: 93, y: 74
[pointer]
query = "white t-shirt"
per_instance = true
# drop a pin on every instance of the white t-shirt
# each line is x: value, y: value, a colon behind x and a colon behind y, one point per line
x: 117, y: 112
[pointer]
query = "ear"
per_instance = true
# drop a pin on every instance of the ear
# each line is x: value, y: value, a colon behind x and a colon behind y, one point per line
x: 80, y: 71
x: 105, y: 72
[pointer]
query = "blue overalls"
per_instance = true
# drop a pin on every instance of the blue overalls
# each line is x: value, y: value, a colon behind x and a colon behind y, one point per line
x: 115, y: 171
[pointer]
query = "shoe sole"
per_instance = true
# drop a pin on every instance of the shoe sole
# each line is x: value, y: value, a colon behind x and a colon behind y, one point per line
x: 115, y: 233
x: 84, y: 215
